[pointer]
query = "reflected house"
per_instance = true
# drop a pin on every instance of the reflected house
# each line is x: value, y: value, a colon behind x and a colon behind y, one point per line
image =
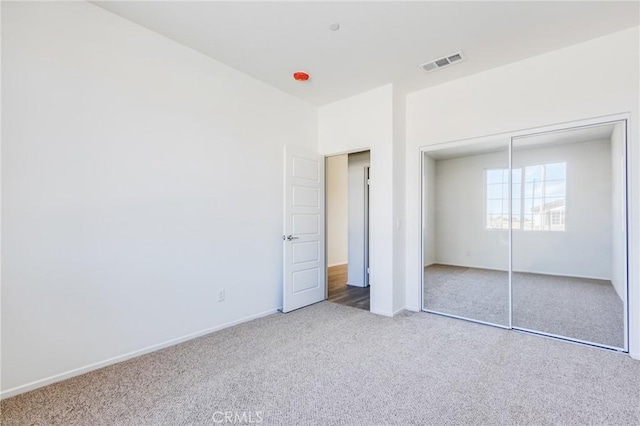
x: 537, y: 195
x: 547, y: 217
x: 499, y: 222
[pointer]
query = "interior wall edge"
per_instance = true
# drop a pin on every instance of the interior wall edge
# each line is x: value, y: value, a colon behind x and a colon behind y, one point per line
x: 348, y: 125
x: 336, y: 209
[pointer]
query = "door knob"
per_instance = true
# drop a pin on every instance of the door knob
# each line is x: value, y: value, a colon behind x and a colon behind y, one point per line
x: 291, y: 238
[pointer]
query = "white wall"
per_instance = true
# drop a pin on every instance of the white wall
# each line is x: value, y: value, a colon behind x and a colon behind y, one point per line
x: 134, y: 170
x: 618, y: 204
x: 591, y: 79
x: 337, y: 210
x: 399, y: 199
x: 359, y: 123
x: 429, y: 210
x: 356, y: 270
x: 460, y: 237
x: 583, y: 249
x: 580, y: 251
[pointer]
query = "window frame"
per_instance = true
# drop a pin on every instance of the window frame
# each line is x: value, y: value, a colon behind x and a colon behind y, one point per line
x: 546, y: 227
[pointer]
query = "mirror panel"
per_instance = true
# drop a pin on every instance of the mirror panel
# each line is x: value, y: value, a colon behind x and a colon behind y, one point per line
x: 466, y: 232
x: 568, y: 256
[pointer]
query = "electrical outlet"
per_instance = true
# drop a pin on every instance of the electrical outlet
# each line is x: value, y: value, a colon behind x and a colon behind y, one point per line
x: 221, y: 295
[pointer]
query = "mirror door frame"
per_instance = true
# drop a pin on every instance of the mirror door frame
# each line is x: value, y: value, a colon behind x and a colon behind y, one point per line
x: 508, y: 137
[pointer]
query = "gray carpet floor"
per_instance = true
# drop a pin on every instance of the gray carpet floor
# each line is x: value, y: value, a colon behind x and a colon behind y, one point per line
x: 480, y: 294
x: 329, y: 364
x: 576, y: 308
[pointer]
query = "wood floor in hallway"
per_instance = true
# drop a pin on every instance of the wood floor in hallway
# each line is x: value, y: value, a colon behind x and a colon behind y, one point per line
x: 340, y: 292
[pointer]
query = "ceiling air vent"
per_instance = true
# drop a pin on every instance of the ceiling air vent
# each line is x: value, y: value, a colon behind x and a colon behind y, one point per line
x: 443, y: 62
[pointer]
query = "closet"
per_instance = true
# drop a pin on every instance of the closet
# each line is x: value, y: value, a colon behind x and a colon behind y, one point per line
x: 527, y: 231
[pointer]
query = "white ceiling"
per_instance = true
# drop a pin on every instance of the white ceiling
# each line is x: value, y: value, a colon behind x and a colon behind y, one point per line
x: 378, y: 42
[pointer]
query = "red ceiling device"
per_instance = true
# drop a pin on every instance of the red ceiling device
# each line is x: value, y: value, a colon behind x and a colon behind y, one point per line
x: 301, y: 76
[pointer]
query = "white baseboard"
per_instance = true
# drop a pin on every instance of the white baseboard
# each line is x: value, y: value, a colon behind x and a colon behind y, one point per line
x: 521, y: 271
x: 383, y: 313
x: 564, y: 275
x: 388, y: 313
x: 91, y: 367
x: 412, y: 308
x: 459, y: 265
x: 399, y: 310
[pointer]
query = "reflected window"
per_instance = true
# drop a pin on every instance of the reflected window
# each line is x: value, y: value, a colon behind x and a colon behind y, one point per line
x: 538, y: 197
x: 497, y: 198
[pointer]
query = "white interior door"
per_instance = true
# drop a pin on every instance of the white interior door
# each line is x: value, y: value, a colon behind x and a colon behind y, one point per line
x: 303, y: 240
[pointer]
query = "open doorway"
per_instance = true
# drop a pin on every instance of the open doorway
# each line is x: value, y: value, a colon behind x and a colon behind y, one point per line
x: 347, y: 219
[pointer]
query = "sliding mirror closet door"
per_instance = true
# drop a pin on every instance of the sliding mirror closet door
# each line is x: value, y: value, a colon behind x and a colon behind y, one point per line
x: 466, y: 232
x: 569, y: 234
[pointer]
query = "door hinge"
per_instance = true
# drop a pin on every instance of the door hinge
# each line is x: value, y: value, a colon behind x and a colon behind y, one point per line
x: 368, y: 181
x: 368, y: 270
